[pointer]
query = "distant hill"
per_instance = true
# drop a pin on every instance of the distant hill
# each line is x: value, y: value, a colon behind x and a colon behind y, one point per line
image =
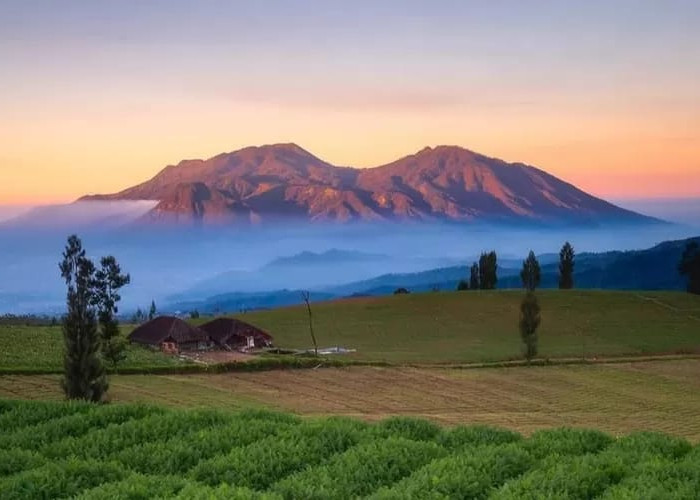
x: 447, y: 183
x: 651, y: 269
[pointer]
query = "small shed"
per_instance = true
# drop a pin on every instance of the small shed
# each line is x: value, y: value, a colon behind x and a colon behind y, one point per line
x: 232, y: 333
x: 172, y: 335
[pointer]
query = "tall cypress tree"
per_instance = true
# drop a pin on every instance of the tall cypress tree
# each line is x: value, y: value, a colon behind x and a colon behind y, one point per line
x: 84, y: 373
x: 529, y: 322
x: 108, y: 281
x: 530, y: 274
x: 566, y: 266
x: 474, y: 277
x: 488, y: 270
x: 690, y: 266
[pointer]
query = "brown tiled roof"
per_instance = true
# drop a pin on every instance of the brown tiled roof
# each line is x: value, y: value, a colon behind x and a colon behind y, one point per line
x: 222, y: 329
x: 163, y: 327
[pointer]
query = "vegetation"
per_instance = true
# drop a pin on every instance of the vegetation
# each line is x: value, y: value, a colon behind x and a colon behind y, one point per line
x: 108, y: 281
x: 529, y: 322
x: 474, y: 277
x: 530, y: 274
x: 152, y: 312
x: 606, y: 396
x: 84, y: 373
x: 88, y: 451
x: 689, y: 266
x: 566, y: 266
x: 488, y: 271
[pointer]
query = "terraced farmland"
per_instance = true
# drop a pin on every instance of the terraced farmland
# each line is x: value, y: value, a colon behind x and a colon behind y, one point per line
x: 61, y: 450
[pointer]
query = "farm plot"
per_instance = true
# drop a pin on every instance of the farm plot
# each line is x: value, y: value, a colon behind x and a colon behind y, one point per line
x: 617, y: 398
x: 140, y: 452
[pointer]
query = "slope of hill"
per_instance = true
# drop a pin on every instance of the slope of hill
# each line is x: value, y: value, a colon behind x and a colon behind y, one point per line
x: 651, y: 269
x: 442, y: 183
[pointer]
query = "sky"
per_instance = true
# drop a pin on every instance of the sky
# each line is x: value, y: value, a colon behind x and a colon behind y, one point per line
x: 96, y: 96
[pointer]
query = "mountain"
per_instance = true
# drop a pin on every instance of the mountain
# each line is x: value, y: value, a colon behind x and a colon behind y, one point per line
x: 446, y: 183
x: 654, y: 268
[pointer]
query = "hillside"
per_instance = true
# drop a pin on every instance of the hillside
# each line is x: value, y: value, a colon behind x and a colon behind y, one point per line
x: 483, y: 326
x: 451, y: 183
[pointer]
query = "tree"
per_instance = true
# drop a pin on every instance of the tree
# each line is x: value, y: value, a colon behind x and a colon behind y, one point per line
x: 689, y: 266
x: 401, y: 291
x: 139, y: 316
x: 152, y: 311
x: 529, y: 322
x: 108, y: 281
x: 84, y: 373
x: 474, y: 277
x: 306, y: 297
x: 488, y: 266
x: 530, y: 274
x: 462, y: 285
x: 566, y: 266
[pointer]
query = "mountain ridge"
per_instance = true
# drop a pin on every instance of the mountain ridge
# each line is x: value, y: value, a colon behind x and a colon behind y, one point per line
x: 261, y: 183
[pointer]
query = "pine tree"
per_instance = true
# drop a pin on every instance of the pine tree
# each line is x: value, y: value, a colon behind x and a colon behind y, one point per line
x: 84, y: 373
x: 530, y: 274
x: 566, y: 266
x: 108, y: 281
x: 689, y: 266
x: 488, y: 266
x: 462, y: 285
x: 152, y: 311
x: 529, y: 322
x: 474, y: 277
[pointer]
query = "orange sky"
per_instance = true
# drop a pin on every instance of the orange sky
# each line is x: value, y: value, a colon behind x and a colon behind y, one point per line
x: 95, y: 99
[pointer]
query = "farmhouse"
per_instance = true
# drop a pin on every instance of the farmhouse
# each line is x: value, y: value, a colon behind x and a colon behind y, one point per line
x: 231, y: 334
x: 171, y: 335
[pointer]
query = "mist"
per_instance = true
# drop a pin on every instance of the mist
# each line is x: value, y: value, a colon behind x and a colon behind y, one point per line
x: 186, y: 262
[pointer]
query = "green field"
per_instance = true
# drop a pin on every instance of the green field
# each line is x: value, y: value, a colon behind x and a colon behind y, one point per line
x: 40, y: 348
x: 448, y: 327
x: 61, y: 450
x: 482, y: 326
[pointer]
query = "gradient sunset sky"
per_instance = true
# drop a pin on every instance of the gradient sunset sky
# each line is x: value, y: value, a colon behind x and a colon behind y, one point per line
x: 96, y: 96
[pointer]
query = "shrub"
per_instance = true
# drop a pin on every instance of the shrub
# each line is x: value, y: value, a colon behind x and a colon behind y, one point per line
x: 573, y: 477
x: 60, y: 479
x: 407, y: 427
x: 566, y: 441
x: 476, y: 435
x: 263, y: 462
x: 136, y: 487
x: 15, y: 460
x: 470, y: 474
x: 360, y: 470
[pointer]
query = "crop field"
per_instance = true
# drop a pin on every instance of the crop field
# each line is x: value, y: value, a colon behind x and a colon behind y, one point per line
x: 616, y: 398
x: 62, y: 450
x: 448, y: 327
x: 41, y: 348
x: 482, y: 326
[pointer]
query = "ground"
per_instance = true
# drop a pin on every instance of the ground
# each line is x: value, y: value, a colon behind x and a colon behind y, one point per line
x: 482, y: 326
x: 617, y: 398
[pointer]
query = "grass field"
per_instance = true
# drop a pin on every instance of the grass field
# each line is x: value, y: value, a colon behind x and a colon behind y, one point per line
x: 617, y: 398
x: 438, y: 328
x: 41, y: 348
x: 60, y: 450
x: 482, y: 326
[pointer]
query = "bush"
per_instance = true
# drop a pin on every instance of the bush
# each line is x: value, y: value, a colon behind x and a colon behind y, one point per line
x: 471, y: 474
x: 59, y: 479
x: 476, y: 435
x: 360, y: 470
x: 136, y: 487
x: 566, y: 441
x: 407, y: 427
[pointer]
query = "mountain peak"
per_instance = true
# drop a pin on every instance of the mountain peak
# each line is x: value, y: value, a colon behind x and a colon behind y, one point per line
x: 444, y: 182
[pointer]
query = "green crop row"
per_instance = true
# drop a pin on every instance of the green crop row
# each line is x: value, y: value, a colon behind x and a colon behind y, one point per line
x: 67, y: 450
